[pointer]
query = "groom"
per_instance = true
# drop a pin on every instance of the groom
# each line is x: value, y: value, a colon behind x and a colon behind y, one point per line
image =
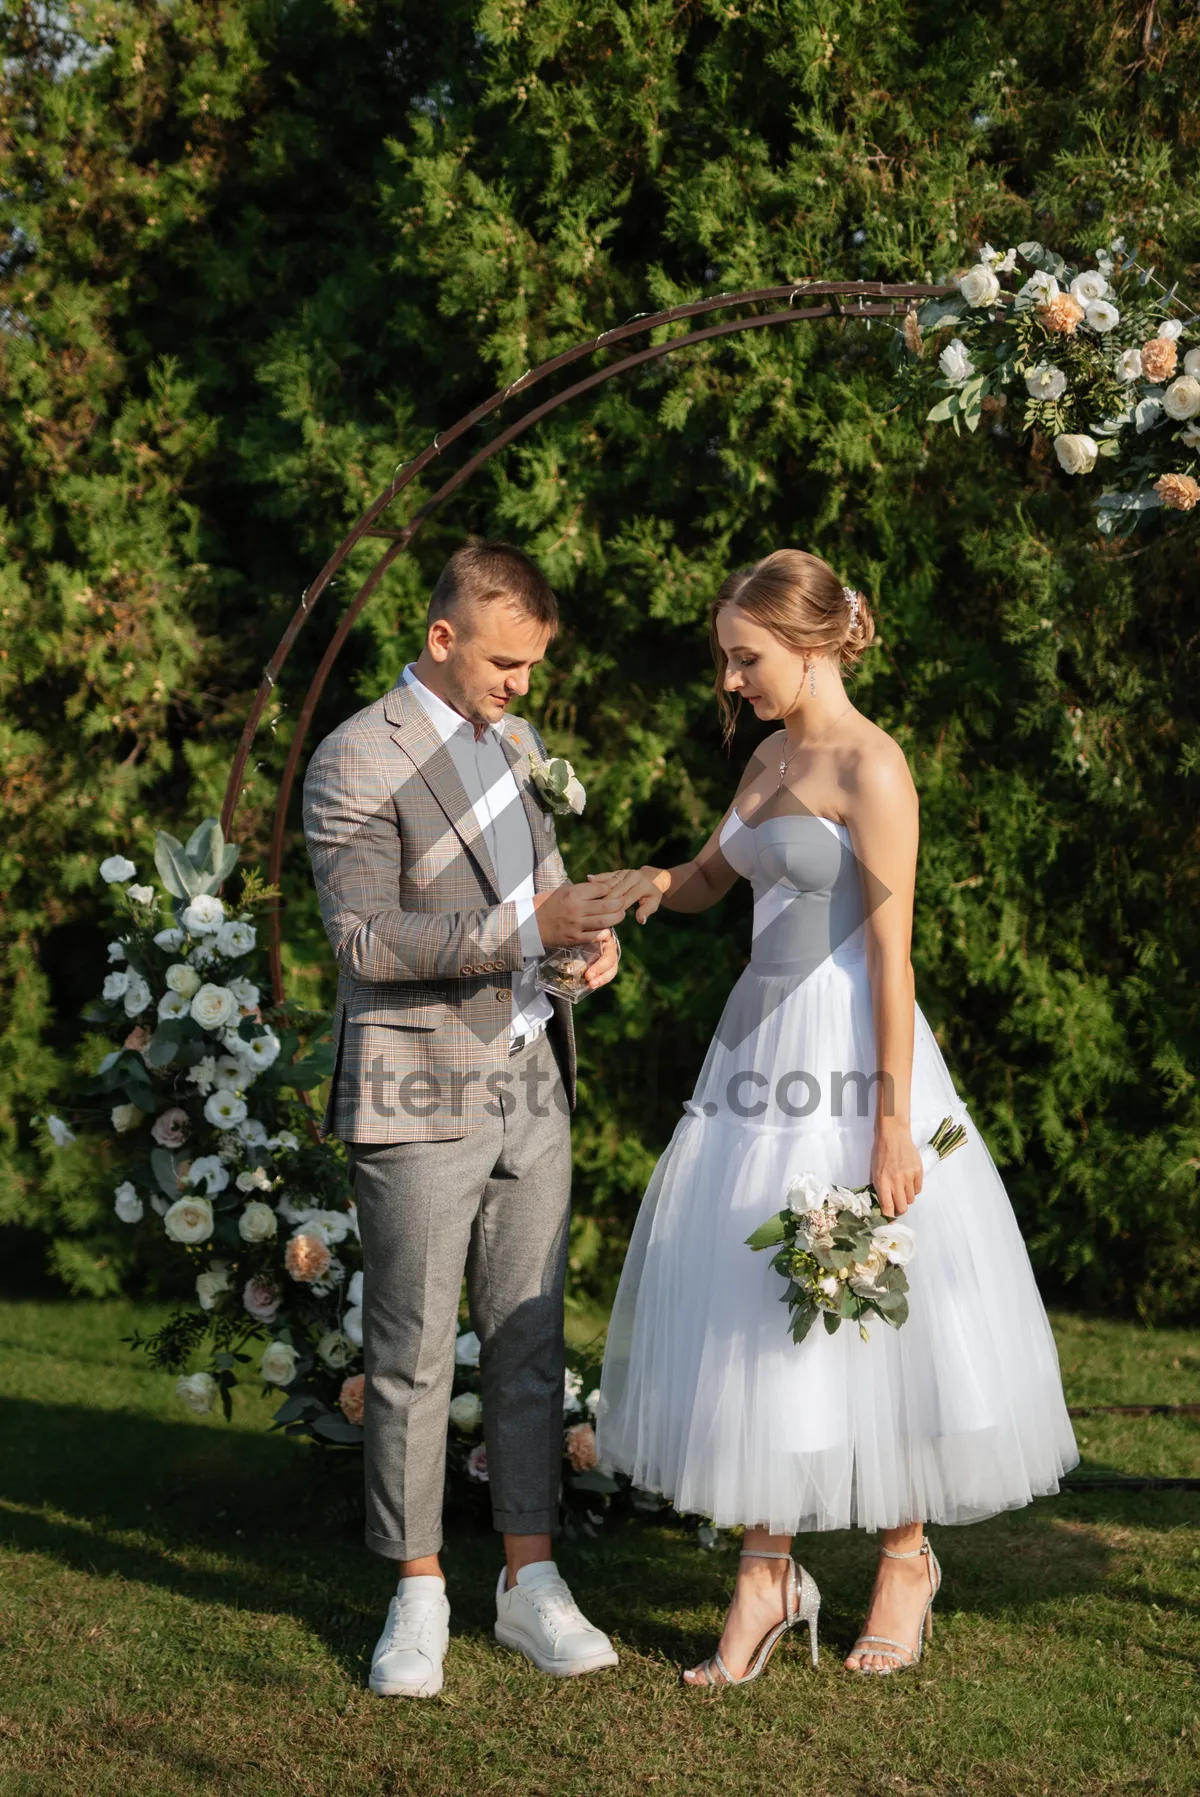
x: 440, y: 884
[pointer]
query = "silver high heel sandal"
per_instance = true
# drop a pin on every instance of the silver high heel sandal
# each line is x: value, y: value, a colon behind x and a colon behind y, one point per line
x: 884, y: 1648
x: 803, y: 1603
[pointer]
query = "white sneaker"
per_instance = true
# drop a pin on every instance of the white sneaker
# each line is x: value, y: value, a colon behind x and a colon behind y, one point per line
x: 408, y: 1656
x: 539, y: 1618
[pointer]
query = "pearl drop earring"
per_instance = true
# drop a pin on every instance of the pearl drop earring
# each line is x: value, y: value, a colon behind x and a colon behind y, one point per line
x: 812, y: 678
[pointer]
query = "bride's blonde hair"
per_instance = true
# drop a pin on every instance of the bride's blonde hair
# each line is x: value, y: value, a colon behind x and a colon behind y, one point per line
x: 800, y: 600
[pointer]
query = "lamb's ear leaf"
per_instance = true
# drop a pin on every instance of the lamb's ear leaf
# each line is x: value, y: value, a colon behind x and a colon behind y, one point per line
x: 224, y: 867
x: 163, y: 1165
x: 178, y: 875
x: 204, y: 845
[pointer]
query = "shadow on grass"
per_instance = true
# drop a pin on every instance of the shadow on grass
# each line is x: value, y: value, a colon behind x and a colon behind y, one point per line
x: 244, y: 1521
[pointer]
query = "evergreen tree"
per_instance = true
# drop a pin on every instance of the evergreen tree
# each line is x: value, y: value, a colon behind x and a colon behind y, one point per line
x: 259, y: 254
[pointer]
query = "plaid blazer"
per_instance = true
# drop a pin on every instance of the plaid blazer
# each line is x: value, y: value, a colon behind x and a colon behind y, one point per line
x: 424, y: 946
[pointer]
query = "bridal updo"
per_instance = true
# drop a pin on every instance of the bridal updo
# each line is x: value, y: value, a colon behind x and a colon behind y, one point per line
x: 800, y: 600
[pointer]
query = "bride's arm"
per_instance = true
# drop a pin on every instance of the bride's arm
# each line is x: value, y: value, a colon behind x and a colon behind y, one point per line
x: 883, y: 821
x: 694, y: 885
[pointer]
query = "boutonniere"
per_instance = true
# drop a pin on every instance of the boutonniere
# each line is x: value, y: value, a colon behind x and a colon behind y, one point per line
x: 556, y: 786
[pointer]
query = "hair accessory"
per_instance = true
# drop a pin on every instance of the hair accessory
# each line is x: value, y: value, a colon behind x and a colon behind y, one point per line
x: 852, y: 602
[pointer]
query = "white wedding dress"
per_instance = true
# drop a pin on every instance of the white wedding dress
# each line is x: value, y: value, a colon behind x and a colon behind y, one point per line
x: 705, y: 1398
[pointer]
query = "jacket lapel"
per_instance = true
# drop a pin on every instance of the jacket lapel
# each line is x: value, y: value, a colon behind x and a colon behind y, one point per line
x: 518, y: 750
x: 414, y: 732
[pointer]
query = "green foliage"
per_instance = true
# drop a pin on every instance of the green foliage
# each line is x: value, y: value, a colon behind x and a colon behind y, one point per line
x: 259, y: 253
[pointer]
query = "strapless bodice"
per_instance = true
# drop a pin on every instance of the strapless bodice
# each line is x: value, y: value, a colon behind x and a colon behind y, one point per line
x: 808, y: 900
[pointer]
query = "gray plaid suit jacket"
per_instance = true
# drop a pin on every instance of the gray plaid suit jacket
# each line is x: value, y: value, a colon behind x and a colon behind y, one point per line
x: 424, y: 946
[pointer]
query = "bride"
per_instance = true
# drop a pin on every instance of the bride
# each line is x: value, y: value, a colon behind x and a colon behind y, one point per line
x: 822, y: 1063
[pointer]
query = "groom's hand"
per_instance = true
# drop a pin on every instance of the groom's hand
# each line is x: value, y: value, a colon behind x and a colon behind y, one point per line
x: 571, y: 915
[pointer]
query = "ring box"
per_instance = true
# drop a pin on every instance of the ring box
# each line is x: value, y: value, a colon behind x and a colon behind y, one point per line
x: 562, y: 971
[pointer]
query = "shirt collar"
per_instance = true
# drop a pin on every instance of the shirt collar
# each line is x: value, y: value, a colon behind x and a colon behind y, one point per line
x: 446, y: 721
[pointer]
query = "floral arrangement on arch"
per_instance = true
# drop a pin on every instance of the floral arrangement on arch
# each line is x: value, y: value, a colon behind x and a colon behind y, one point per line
x: 1091, y: 357
x: 196, y: 1111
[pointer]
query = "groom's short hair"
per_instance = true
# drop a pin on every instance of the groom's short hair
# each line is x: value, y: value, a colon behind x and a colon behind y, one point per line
x: 485, y: 570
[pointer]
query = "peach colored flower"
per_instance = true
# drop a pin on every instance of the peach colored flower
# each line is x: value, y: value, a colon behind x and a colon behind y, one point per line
x: 170, y: 1127
x: 912, y: 334
x: 1178, y: 491
x: 137, y: 1039
x: 350, y: 1398
x: 1159, y: 357
x: 1061, y: 314
x: 261, y: 1298
x: 581, y: 1447
x: 477, y: 1464
x: 307, y: 1258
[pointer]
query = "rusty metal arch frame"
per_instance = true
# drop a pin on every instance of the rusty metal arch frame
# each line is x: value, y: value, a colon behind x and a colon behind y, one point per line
x: 844, y: 299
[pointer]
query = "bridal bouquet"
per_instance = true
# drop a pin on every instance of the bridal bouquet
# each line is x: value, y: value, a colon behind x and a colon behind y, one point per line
x: 842, y: 1258
x: 1088, y: 356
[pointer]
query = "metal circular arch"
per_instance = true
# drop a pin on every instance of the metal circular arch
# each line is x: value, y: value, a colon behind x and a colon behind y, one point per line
x: 866, y: 299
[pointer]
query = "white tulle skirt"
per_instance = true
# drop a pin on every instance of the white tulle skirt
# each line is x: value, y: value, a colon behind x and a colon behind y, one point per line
x: 706, y: 1399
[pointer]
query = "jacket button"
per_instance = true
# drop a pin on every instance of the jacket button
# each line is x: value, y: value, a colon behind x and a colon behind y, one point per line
x: 502, y: 998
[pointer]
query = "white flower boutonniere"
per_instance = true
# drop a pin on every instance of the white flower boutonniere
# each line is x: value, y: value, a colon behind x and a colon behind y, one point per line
x: 556, y: 786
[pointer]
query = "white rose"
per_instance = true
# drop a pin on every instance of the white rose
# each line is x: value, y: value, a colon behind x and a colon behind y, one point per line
x: 466, y: 1412
x: 61, y: 1134
x: 204, y: 916
x: 352, y: 1325
x: 896, y: 1241
x: 245, y: 991
x: 1089, y: 286
x: 214, y: 1006
x: 261, y: 1052
x: 278, y: 1364
x: 807, y: 1192
x: 202, y: 955
x: 116, y: 951
x: 183, y: 979
x: 1190, y: 437
x: 1129, y: 365
x: 1102, y: 316
x: 1191, y: 363
x: 116, y: 870
x: 592, y: 1403
x: 979, y: 286
x: 575, y: 795
x: 572, y: 1391
x: 1170, y: 328
x: 137, y: 995
x: 236, y: 939
x: 209, y: 1169
x: 846, y: 1198
x: 198, y: 1391
x: 1076, y: 453
x: 127, y: 1204
x: 116, y: 986
x: 169, y: 939
x: 466, y: 1349
x: 864, y: 1273
x: 173, y: 1004
x: 189, y: 1220
x: 955, y: 361
x: 335, y: 1349
x: 355, y: 1288
x: 257, y: 1223
x: 1039, y: 288
x: 1182, y: 398
x: 141, y: 895
x: 211, y: 1284
x: 126, y: 1116
x: 1046, y: 382
x: 224, y: 1110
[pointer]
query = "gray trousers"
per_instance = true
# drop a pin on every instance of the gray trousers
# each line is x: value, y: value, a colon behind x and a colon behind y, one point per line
x: 495, y: 1204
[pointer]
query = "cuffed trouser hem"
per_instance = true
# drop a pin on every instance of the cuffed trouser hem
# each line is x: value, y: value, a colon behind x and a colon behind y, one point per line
x: 402, y: 1550
x: 526, y: 1522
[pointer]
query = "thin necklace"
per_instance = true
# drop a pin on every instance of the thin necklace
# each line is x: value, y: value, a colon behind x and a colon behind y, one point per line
x: 786, y: 760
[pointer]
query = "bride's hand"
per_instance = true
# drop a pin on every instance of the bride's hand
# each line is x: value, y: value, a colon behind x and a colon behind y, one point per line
x: 643, y: 886
x: 896, y: 1171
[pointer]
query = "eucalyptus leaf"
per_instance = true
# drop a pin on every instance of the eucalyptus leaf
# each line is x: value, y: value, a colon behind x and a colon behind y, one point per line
x: 936, y: 311
x: 769, y: 1233
x: 161, y: 1049
x: 593, y: 1480
x: 163, y: 1165
x: 336, y: 1428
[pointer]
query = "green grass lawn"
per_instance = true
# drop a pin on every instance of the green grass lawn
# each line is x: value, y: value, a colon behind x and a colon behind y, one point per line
x: 185, y: 1607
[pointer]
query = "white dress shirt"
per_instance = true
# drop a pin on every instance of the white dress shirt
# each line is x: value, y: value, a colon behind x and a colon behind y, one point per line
x: 492, y: 790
